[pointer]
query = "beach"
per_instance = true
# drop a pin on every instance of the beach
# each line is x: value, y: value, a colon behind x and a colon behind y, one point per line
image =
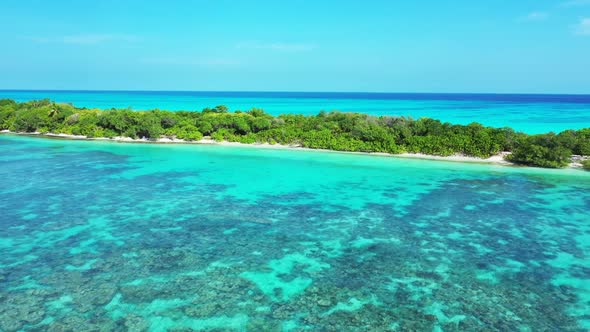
x: 496, y: 159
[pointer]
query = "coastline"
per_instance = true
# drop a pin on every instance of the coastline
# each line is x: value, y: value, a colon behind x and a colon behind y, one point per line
x: 496, y: 159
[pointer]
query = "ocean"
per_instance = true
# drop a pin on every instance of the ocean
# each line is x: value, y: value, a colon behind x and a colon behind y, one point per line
x: 100, y: 236
x: 532, y: 114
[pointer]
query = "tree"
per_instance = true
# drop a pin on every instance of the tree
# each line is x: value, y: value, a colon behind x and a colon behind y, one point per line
x: 53, y: 112
x: 257, y: 112
x: 327, y: 130
x: 168, y: 122
x: 221, y: 109
x: 531, y: 153
x: 149, y: 125
x: 216, y: 109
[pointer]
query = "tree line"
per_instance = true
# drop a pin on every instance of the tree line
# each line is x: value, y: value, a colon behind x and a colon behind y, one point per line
x: 327, y: 130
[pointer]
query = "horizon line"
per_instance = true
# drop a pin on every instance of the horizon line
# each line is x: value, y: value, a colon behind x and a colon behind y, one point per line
x: 309, y: 92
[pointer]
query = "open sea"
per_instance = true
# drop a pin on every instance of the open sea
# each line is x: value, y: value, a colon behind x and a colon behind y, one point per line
x: 99, y: 236
x: 529, y: 113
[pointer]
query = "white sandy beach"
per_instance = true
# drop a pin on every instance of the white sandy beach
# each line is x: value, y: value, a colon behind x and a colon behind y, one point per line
x: 496, y: 159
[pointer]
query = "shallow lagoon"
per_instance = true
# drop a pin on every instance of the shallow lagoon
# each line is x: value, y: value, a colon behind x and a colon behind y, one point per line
x: 111, y: 236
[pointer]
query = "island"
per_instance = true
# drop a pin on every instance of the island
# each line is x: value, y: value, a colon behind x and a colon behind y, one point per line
x: 336, y: 131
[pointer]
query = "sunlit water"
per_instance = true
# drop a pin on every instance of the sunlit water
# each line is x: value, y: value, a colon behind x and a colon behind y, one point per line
x: 529, y: 113
x: 116, y: 237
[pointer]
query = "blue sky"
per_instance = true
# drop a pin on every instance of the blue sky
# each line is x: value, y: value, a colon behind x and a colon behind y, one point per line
x: 532, y: 46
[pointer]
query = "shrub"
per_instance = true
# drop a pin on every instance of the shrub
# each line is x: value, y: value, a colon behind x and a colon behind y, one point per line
x: 327, y: 130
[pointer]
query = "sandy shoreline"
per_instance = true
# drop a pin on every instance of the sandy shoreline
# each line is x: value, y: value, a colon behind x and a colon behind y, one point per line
x: 496, y: 159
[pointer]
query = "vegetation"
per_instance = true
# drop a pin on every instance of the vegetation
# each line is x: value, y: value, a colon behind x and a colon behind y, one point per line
x: 586, y: 164
x: 333, y: 131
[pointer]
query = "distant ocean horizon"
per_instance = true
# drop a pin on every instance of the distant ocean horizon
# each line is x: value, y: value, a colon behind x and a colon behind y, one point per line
x: 531, y: 113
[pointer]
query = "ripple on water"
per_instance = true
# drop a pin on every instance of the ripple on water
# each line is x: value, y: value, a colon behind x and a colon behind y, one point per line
x: 152, y: 238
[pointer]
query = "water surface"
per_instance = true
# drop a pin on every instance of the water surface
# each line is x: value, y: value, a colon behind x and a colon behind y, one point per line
x: 117, y: 237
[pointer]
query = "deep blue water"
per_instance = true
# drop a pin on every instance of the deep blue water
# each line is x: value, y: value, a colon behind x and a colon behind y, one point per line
x: 560, y: 98
x: 531, y: 113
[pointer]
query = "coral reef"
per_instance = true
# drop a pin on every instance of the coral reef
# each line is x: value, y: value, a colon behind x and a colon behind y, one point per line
x: 123, y: 245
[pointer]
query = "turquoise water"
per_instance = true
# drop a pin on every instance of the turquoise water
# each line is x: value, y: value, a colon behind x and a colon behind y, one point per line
x: 133, y: 237
x: 529, y: 113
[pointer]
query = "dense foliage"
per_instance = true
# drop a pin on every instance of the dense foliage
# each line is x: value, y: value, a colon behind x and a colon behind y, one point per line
x: 586, y: 164
x: 551, y: 150
x: 333, y: 130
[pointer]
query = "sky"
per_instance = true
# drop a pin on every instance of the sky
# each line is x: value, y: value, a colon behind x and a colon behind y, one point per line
x: 524, y: 46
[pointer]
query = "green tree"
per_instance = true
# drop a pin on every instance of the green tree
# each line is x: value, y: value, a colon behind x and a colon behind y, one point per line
x: 327, y: 130
x: 149, y: 125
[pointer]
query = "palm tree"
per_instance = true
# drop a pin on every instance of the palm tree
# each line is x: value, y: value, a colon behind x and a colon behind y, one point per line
x: 54, y: 111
